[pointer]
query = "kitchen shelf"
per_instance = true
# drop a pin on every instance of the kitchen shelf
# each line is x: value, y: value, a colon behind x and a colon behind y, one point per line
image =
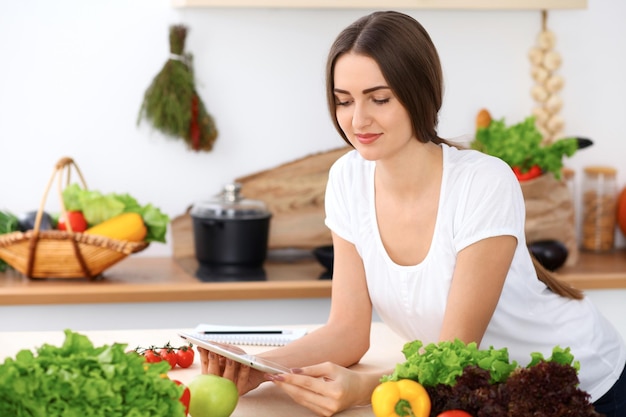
x: 390, y: 4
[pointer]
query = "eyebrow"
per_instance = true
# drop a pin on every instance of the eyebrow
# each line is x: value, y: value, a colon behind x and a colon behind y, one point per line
x: 366, y: 91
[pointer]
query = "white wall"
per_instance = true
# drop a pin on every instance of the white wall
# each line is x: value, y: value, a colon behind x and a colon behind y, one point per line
x: 73, y: 74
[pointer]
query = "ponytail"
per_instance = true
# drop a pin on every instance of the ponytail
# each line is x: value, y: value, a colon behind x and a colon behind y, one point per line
x: 556, y: 285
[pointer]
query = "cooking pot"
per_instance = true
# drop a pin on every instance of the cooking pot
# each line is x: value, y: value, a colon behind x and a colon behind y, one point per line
x: 230, y: 229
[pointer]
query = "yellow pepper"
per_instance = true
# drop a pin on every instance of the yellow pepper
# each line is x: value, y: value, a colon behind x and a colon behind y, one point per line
x: 404, y: 397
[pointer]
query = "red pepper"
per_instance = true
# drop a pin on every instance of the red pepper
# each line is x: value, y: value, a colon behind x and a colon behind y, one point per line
x: 533, y: 172
x: 194, y: 126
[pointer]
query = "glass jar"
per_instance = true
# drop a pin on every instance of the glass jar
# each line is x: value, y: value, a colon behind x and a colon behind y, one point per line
x: 599, y: 194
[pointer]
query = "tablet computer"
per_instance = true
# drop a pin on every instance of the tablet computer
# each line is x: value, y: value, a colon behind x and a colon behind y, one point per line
x: 231, y: 352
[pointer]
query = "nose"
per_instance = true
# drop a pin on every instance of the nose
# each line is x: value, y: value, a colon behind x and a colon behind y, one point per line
x: 361, y: 117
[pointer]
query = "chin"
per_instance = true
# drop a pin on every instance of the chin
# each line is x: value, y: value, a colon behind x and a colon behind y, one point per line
x: 368, y: 153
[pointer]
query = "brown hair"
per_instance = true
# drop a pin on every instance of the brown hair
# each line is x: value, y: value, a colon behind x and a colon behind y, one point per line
x: 407, y: 59
x: 556, y: 285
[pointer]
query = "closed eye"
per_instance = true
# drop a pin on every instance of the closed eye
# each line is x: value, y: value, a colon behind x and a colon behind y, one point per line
x: 382, y: 101
x: 339, y: 102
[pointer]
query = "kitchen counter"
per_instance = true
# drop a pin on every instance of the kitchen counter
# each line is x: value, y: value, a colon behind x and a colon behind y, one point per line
x: 142, y: 279
x: 267, y: 400
x: 597, y: 270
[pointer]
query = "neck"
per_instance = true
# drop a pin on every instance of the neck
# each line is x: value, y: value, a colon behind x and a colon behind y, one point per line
x: 412, y: 170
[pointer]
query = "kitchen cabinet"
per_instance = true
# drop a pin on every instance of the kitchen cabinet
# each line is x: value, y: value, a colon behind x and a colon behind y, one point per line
x: 390, y: 4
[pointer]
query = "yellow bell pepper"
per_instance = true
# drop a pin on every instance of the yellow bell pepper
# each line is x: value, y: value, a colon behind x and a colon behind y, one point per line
x: 404, y: 397
x: 126, y: 226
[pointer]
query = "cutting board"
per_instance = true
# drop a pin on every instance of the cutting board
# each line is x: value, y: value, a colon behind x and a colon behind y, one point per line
x: 294, y: 194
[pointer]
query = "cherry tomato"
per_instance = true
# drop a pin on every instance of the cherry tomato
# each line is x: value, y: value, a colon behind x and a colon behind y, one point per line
x: 455, y: 413
x: 168, y: 354
x: 76, y: 219
x: 151, y: 356
x: 184, y: 356
x: 185, y: 398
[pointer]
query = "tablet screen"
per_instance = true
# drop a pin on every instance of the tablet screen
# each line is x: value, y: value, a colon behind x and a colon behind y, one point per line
x: 232, y: 352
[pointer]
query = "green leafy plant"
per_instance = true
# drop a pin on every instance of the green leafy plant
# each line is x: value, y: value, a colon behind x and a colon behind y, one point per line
x: 79, y: 379
x: 520, y: 146
x: 8, y: 224
x: 443, y: 362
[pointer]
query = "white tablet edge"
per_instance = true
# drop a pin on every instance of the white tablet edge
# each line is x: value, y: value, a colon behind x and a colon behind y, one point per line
x: 243, y: 358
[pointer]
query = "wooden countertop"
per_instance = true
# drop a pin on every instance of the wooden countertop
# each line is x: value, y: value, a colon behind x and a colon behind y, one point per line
x: 597, y: 270
x: 142, y: 279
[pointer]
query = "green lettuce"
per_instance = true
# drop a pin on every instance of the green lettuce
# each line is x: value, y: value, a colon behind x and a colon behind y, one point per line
x: 78, y: 380
x: 443, y: 362
x: 560, y: 355
x: 98, y: 207
x: 8, y: 224
x: 520, y: 145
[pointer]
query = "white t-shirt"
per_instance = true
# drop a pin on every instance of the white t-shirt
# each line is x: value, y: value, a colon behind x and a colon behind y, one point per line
x: 480, y: 198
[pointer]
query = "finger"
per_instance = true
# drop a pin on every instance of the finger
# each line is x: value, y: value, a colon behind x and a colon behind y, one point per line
x: 230, y: 370
x: 213, y: 366
x: 242, y: 378
x: 204, y: 360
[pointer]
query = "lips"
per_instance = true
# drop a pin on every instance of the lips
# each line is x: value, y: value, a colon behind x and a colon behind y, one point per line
x: 367, y: 138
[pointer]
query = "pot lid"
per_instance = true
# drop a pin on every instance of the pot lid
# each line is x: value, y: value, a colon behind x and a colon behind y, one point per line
x: 229, y: 203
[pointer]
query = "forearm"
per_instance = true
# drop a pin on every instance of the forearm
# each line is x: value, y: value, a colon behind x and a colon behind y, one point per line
x: 329, y: 343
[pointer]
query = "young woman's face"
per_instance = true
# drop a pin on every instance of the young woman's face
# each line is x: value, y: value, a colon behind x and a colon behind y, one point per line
x: 370, y: 115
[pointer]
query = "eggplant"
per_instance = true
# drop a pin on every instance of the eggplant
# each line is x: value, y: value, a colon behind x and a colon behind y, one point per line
x: 551, y: 254
x: 27, y: 221
x: 584, y: 142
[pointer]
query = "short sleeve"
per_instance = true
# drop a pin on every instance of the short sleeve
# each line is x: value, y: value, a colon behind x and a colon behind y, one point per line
x: 337, y: 199
x: 491, y: 204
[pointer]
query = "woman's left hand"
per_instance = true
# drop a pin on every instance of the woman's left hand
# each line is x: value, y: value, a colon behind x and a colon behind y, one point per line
x: 327, y: 388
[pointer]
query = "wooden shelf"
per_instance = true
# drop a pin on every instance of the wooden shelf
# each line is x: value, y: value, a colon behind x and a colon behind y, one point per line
x: 390, y: 4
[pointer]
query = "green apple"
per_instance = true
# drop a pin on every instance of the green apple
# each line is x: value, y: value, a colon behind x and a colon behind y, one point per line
x: 212, y: 396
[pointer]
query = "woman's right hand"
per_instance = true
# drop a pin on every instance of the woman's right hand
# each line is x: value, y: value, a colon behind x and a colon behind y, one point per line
x: 243, y: 376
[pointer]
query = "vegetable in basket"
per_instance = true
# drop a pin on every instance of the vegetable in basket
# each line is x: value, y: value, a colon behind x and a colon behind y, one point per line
x: 76, y: 221
x: 98, y: 207
x: 26, y: 221
x: 125, y: 226
x: 8, y: 224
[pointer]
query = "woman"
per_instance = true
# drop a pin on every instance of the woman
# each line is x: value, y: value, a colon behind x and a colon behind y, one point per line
x: 430, y: 235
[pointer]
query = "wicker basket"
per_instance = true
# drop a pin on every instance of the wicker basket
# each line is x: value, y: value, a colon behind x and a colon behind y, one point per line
x: 62, y: 254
